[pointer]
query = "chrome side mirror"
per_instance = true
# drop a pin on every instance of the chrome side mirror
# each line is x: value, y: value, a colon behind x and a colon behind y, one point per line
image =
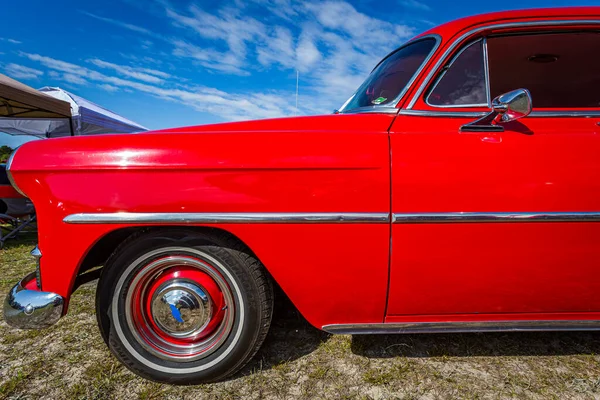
x: 505, y: 108
x: 512, y: 105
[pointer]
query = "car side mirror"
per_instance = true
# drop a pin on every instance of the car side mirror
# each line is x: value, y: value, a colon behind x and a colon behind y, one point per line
x: 505, y: 108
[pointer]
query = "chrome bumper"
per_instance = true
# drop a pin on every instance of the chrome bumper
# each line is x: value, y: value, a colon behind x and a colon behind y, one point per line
x: 31, y: 309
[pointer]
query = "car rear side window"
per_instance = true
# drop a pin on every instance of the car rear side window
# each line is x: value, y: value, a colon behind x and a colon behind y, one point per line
x: 560, y: 70
x: 462, y: 81
x: 391, y: 76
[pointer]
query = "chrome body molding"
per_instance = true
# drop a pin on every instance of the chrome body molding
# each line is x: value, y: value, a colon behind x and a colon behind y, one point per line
x: 31, y: 309
x: 37, y: 254
x: 9, y: 175
x: 468, y: 326
x: 392, y: 105
x: 479, y: 29
x: 227, y: 218
x: 328, y: 218
x: 478, y: 217
x: 444, y: 114
x: 476, y: 114
x: 565, y: 114
x: 371, y: 109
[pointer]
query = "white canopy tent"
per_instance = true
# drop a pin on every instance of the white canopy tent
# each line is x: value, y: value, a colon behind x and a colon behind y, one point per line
x: 87, y: 118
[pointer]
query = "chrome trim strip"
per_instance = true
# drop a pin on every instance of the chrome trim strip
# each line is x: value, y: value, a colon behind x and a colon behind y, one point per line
x: 445, y: 114
x: 486, y: 71
x: 447, y: 68
x: 457, y: 327
x: 479, y: 29
x: 476, y: 114
x: 565, y: 114
x: 393, y: 104
x: 374, y: 109
x: 36, y: 253
x: 227, y: 218
x: 9, y: 175
x: 472, y: 217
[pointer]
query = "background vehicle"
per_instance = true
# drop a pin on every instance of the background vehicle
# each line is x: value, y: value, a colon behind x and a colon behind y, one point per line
x: 429, y: 203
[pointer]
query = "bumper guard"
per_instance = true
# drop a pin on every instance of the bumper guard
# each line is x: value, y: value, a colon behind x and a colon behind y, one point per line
x: 31, y: 309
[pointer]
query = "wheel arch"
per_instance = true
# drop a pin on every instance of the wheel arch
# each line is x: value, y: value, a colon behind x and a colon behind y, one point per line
x: 91, y: 265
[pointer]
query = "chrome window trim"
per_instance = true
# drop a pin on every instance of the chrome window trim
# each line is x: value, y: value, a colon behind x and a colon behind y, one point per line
x: 476, y: 114
x: 466, y: 326
x: 446, y: 69
x: 496, y: 217
x: 9, y: 175
x: 371, y: 110
x: 486, y: 71
x: 446, y: 114
x: 227, y: 218
x: 479, y: 29
x: 410, y: 83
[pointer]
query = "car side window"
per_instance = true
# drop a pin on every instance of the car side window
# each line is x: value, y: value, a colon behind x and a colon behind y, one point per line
x: 462, y: 82
x: 560, y: 70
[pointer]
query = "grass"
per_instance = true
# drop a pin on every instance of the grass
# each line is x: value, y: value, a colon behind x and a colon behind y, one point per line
x: 70, y: 361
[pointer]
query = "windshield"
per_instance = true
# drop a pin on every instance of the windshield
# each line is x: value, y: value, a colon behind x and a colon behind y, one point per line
x: 391, y: 76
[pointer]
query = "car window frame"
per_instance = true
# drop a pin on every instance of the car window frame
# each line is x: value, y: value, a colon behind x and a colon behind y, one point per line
x: 446, y: 67
x: 392, y: 107
x: 416, y: 102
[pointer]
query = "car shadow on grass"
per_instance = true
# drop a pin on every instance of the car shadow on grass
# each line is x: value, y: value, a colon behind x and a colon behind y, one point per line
x: 290, y: 337
x: 476, y: 344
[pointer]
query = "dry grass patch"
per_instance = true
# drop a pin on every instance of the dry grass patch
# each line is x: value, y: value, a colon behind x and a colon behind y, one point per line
x: 70, y: 361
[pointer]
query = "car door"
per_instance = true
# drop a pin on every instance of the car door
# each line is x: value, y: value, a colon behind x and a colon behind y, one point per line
x: 488, y: 224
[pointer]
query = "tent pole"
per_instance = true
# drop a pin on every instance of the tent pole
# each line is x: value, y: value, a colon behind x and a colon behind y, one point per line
x: 71, y: 126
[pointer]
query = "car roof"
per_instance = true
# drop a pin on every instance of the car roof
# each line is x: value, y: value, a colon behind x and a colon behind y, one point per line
x: 449, y: 29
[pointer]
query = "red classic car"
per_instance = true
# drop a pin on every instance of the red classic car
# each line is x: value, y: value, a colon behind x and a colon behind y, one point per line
x: 436, y: 199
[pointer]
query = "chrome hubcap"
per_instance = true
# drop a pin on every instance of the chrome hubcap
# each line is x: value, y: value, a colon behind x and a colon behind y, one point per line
x: 181, y: 309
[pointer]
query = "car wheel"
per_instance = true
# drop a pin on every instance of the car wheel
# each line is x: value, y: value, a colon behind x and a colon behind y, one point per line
x: 184, y: 307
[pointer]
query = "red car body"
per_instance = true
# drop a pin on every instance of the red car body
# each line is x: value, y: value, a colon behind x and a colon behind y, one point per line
x: 385, y: 219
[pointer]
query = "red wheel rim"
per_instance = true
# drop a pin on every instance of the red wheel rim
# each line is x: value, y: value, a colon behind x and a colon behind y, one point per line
x: 179, y: 307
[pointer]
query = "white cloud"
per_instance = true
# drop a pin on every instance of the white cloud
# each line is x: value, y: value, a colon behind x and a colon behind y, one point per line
x: 338, y: 53
x: 237, y: 32
x: 73, y: 78
x: 230, y: 106
x: 9, y: 40
x: 417, y: 5
x: 125, y: 25
x: 141, y: 59
x: 225, y: 62
x: 279, y: 49
x: 307, y: 53
x: 108, y: 88
x: 131, y: 72
x: 17, y: 71
x: 334, y: 48
x: 227, y: 26
x: 331, y: 43
x: 146, y: 44
x: 284, y: 9
x: 363, y: 29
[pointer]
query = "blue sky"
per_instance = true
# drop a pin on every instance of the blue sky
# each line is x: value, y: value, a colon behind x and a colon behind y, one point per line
x: 174, y: 63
